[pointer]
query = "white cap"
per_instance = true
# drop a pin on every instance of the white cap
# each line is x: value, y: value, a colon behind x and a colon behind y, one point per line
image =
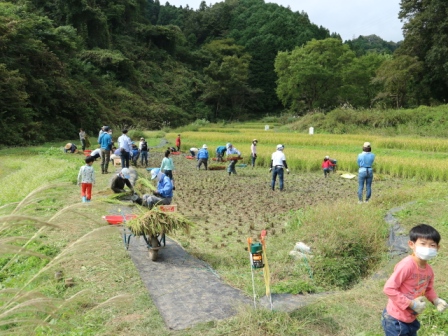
x: 154, y: 173
x: 327, y: 157
x: 280, y: 147
x: 126, y: 173
x: 366, y: 144
x: 204, y: 146
x: 228, y: 145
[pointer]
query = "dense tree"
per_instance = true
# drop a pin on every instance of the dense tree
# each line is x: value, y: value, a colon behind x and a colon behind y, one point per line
x: 399, y: 76
x: 371, y: 44
x: 227, y: 79
x: 358, y: 89
x: 426, y: 37
x: 311, y: 76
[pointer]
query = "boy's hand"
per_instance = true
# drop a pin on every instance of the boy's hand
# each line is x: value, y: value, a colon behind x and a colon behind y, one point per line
x: 418, y: 305
x: 440, y: 304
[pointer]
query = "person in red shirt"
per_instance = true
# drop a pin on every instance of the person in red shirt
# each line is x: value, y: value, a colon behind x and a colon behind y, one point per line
x: 178, y: 142
x: 411, y: 282
x: 327, y: 166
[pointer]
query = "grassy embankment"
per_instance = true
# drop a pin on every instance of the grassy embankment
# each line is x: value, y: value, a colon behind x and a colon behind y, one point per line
x: 108, y: 296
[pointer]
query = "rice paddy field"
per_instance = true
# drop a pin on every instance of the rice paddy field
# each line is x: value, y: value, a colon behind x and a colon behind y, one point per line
x: 350, y: 258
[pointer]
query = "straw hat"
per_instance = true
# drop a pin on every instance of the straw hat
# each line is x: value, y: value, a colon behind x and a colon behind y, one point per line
x: 366, y: 144
x: 68, y: 146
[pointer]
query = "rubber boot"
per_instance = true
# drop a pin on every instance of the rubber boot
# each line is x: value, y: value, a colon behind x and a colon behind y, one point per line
x: 102, y: 169
x: 106, y: 167
x: 84, y: 199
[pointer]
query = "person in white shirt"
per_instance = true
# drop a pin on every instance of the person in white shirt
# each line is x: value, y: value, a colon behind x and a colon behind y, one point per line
x: 278, y: 164
x: 253, y: 151
x: 96, y: 153
x: 125, y: 145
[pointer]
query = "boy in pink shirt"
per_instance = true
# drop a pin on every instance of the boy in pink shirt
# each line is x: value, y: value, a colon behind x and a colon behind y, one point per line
x: 411, y: 281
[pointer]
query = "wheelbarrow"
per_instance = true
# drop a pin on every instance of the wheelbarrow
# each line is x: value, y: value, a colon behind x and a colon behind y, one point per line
x: 153, y: 243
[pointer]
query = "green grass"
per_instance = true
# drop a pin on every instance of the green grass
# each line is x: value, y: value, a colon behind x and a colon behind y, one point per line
x: 109, y: 299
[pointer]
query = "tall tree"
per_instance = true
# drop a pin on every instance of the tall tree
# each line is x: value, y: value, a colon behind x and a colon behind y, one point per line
x: 311, y: 76
x: 426, y: 37
x: 226, y: 83
x: 399, y: 76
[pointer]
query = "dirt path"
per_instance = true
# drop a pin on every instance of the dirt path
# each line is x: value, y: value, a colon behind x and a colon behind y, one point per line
x: 185, y: 289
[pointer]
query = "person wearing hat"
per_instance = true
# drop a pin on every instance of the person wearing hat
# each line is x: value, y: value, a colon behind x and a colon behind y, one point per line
x: 105, y: 141
x: 178, y: 142
x: 327, y: 165
x: 143, y: 148
x: 70, y: 147
x: 365, y: 172
x: 193, y: 151
x: 203, y: 157
x: 120, y: 180
x: 125, y: 145
x: 253, y: 151
x: 278, y: 164
x: 220, y: 150
x: 164, y: 193
x: 232, y: 151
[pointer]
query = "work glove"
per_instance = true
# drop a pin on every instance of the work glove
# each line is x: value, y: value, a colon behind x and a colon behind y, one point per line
x: 440, y: 304
x: 418, y: 305
x: 270, y: 169
x: 287, y: 170
x: 156, y: 193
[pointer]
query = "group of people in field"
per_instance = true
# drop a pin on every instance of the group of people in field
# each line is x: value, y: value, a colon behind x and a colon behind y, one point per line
x: 413, y: 278
x: 126, y: 152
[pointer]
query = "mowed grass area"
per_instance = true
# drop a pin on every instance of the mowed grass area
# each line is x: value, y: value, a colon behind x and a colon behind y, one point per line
x: 109, y: 298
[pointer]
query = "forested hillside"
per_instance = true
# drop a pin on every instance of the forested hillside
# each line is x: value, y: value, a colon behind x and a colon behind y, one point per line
x: 70, y: 64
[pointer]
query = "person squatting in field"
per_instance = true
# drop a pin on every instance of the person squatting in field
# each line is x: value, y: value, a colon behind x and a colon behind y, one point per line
x: 232, y: 151
x: 164, y: 193
x: 365, y: 172
x: 203, y: 157
x: 278, y: 164
x: 86, y: 178
x: 327, y: 166
x: 120, y: 180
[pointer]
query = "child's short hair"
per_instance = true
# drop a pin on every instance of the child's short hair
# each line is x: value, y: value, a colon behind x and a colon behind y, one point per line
x: 89, y: 159
x: 424, y: 231
x: 167, y: 153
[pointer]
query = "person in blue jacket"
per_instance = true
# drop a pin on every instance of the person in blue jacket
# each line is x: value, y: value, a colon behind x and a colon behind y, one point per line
x: 203, y: 157
x: 365, y: 172
x: 135, y: 154
x: 105, y: 141
x: 220, y: 151
x: 164, y: 193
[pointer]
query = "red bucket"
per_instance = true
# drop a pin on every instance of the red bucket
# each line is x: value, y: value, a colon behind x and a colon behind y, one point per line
x: 117, y: 219
x: 87, y: 152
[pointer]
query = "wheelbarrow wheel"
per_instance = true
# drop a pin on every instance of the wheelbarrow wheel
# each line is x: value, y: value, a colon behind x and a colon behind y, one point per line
x: 153, y: 254
x: 154, y: 250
